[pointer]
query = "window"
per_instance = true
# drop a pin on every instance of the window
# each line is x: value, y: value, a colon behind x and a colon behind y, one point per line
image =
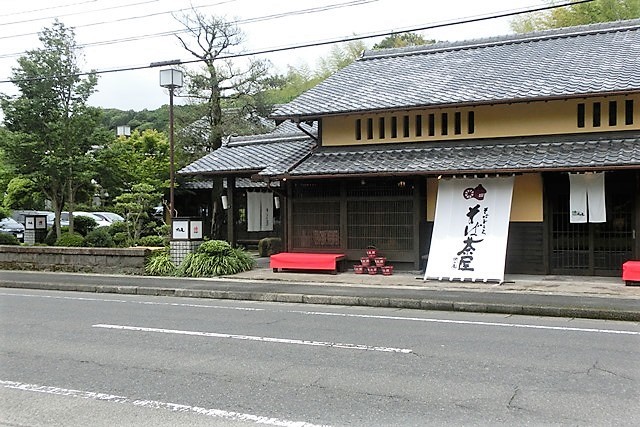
x: 471, y: 125
x: 596, y: 114
x: 432, y: 124
x: 394, y: 127
x: 381, y: 128
x: 445, y: 124
x: 358, y: 129
x: 418, y: 124
x: 369, y: 128
x: 628, y: 112
x: 581, y: 114
x: 613, y: 113
x: 405, y: 126
x: 457, y: 123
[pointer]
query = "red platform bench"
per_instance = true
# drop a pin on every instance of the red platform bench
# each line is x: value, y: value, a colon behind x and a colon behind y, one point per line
x: 631, y: 273
x: 305, y: 261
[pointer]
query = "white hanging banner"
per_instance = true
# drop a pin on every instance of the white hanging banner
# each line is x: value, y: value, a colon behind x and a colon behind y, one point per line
x: 469, y: 240
x: 259, y: 211
x: 587, y: 198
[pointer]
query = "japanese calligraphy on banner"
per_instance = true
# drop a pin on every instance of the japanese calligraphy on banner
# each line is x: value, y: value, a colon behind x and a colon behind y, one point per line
x: 469, y: 240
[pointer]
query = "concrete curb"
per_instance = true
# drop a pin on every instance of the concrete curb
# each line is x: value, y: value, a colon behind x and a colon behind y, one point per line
x: 297, y: 298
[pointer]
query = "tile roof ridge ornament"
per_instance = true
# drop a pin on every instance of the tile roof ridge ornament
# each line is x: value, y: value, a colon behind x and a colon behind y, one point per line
x: 555, y: 33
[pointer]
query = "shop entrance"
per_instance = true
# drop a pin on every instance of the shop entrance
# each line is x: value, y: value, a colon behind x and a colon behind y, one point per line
x: 592, y: 249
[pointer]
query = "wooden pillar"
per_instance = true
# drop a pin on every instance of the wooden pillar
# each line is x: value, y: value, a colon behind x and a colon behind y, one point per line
x: 288, y: 243
x: 231, y: 229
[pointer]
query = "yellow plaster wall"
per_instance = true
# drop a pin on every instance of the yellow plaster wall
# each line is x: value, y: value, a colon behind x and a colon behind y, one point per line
x: 526, y: 202
x: 491, y: 121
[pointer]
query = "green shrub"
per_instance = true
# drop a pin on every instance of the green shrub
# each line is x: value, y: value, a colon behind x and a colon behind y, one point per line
x: 121, y: 239
x: 83, y: 224
x: 70, y: 239
x: 8, y: 239
x: 160, y: 264
x: 269, y: 246
x: 99, y: 238
x: 50, y: 239
x: 117, y: 227
x: 215, y: 258
x: 151, y: 241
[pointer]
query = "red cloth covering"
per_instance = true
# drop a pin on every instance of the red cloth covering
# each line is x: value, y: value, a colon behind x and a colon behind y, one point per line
x: 631, y: 271
x: 305, y: 261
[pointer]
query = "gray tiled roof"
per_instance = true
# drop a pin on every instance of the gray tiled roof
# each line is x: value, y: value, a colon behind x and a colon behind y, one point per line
x: 278, y: 151
x: 587, y: 151
x: 590, y: 59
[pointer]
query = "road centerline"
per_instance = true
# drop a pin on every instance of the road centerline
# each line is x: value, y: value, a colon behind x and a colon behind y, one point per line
x: 347, y: 346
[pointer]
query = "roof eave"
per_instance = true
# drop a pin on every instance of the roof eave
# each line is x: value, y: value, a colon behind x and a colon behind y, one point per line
x: 318, y: 115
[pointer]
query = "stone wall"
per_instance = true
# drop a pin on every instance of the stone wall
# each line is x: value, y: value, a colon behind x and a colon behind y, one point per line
x: 84, y: 260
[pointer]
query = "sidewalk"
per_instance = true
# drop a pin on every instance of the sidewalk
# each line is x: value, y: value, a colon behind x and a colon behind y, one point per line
x: 563, y: 296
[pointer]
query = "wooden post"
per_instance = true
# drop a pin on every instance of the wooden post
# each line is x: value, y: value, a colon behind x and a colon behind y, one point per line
x: 231, y: 229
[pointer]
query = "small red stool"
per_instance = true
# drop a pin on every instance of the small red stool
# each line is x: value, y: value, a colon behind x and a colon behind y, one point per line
x: 631, y: 273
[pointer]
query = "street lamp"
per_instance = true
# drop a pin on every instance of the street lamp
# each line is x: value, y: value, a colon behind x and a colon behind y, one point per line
x: 171, y: 79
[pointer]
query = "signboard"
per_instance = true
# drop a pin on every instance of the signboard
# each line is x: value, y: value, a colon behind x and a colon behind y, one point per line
x: 195, y: 230
x: 41, y: 223
x: 187, y: 229
x: 29, y: 222
x: 469, y: 240
x: 180, y: 229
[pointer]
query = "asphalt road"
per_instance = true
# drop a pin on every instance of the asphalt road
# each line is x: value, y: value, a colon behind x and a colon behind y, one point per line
x: 77, y: 359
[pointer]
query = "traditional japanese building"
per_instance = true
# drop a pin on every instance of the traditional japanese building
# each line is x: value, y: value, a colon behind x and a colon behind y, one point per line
x: 556, y: 112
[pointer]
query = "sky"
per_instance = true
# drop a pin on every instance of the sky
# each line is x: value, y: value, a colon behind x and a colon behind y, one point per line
x: 119, y: 34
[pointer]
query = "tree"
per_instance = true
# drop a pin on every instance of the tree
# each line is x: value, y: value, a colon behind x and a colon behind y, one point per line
x: 21, y: 193
x: 134, y: 207
x: 143, y: 158
x: 402, y: 40
x: 577, y: 14
x: 339, y: 57
x: 52, y: 126
x: 218, y: 80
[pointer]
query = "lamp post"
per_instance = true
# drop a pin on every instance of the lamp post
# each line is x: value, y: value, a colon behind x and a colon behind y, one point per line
x: 171, y: 79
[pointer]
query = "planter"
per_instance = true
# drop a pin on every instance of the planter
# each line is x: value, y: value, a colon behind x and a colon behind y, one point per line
x: 380, y: 261
x: 372, y: 253
x: 359, y: 269
x: 387, y: 270
x: 365, y: 261
x: 372, y: 270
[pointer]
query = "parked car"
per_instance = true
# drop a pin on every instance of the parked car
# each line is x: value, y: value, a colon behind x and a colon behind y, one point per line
x: 11, y: 226
x: 109, y: 216
x: 64, y: 218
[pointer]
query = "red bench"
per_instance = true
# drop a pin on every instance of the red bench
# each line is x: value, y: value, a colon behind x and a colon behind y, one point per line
x: 305, y: 261
x: 631, y: 272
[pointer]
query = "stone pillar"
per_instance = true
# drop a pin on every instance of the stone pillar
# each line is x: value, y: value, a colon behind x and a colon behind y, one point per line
x: 179, y: 249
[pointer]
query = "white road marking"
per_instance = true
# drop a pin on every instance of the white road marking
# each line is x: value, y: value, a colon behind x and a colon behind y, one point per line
x: 122, y: 301
x: 467, y: 322
x: 255, y: 338
x: 364, y: 316
x: 154, y: 404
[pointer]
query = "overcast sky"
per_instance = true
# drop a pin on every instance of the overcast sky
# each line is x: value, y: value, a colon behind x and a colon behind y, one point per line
x: 121, y: 33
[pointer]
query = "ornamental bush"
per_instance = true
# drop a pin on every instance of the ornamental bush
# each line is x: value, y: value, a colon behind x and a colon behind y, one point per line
x: 70, y: 239
x: 8, y: 239
x: 151, y: 241
x: 216, y: 258
x: 83, y: 224
x: 160, y: 264
x: 99, y: 238
x: 269, y: 246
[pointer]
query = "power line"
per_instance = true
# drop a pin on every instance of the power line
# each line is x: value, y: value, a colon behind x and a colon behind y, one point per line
x: 316, y: 44
x: 180, y: 31
x: 24, y: 12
